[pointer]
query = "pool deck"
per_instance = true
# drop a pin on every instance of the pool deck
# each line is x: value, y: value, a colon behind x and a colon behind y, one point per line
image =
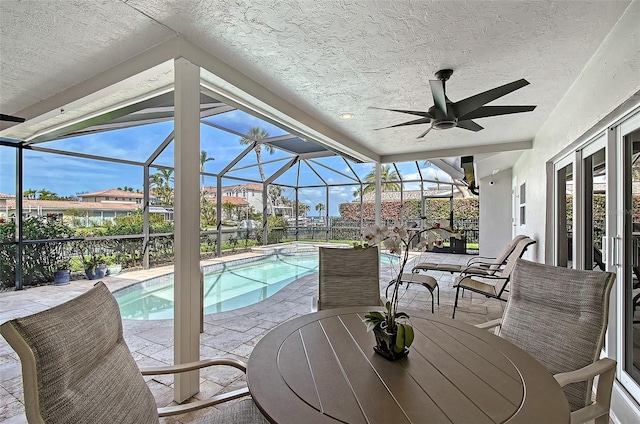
x: 232, y: 333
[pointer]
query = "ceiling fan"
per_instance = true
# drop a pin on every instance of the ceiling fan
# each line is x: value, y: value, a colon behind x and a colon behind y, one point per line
x: 445, y: 114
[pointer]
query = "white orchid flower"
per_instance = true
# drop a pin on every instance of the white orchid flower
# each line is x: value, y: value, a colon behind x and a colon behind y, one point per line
x: 392, y: 244
x: 399, y: 230
x: 444, y: 223
x: 370, y: 234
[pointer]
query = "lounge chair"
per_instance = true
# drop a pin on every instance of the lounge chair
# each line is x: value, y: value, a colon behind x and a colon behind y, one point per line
x: 77, y: 368
x: 491, y: 285
x: 348, y: 277
x: 482, y: 265
x: 559, y: 316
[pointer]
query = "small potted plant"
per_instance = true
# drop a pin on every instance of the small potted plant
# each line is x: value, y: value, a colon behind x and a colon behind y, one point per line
x: 94, y: 266
x: 62, y: 274
x: 113, y: 267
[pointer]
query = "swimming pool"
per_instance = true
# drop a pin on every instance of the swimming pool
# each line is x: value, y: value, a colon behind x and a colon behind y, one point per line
x: 227, y: 286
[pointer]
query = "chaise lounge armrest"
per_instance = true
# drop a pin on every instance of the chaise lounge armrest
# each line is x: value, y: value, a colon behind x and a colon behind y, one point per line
x: 191, y: 366
x: 478, y: 271
x: 605, y: 368
x: 482, y: 261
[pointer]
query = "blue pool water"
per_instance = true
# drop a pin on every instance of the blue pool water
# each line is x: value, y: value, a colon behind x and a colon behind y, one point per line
x: 226, y: 286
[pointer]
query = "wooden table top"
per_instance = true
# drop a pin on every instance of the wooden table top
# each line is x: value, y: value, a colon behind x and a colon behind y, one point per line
x: 321, y: 368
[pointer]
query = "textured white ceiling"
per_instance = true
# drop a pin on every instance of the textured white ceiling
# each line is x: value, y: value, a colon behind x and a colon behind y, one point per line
x: 326, y: 57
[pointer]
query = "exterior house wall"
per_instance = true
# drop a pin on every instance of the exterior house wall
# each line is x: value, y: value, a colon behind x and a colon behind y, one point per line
x: 608, y: 80
x: 252, y: 193
x: 495, y: 213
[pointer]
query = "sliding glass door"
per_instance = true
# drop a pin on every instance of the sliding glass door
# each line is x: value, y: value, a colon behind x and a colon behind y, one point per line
x: 564, y: 213
x: 629, y: 256
x: 594, y: 209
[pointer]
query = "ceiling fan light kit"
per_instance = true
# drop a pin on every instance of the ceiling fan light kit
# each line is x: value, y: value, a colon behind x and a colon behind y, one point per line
x: 445, y: 114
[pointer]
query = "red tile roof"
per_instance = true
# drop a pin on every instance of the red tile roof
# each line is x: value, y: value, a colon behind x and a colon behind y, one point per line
x: 249, y: 186
x: 73, y: 204
x: 112, y: 192
x: 238, y: 201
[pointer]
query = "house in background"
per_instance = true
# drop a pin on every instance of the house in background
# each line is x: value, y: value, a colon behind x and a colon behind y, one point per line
x: 251, y: 193
x: 112, y: 195
x: 90, y: 209
x: 73, y: 212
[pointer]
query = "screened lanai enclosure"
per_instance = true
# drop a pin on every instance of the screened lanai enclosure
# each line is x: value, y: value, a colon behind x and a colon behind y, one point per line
x: 103, y: 188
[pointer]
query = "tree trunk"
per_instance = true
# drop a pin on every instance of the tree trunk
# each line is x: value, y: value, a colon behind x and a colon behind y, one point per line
x: 259, y: 157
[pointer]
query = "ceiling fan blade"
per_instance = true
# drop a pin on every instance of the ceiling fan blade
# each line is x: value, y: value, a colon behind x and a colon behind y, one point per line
x: 424, y: 133
x: 439, y: 98
x: 469, y: 125
x: 410, y: 112
x: 416, y: 122
x: 9, y: 118
x: 485, y: 111
x: 472, y: 103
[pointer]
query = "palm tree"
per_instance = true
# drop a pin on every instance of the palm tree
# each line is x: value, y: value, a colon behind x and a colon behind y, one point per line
x: 461, y: 185
x: 45, y: 194
x: 320, y: 208
x: 161, y: 181
x: 257, y: 134
x: 303, y: 209
x: 228, y: 208
x: 275, y: 194
x: 203, y: 159
x: 388, y: 181
x: 30, y: 194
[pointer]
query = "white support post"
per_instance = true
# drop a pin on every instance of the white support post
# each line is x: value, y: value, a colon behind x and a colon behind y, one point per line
x: 145, y: 217
x: 378, y: 194
x: 187, y: 231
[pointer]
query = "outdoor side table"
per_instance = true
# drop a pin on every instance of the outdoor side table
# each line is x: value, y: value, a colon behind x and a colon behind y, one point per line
x: 425, y: 281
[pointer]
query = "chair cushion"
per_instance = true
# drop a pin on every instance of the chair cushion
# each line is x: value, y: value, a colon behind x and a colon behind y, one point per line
x: 432, y: 266
x: 478, y: 286
x: 558, y: 316
x: 85, y: 371
x: 348, y: 277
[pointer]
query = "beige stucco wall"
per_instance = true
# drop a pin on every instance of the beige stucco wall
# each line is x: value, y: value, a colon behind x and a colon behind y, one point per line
x: 495, y: 213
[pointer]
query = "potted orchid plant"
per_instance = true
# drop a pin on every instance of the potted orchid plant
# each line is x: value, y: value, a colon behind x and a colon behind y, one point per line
x: 392, y: 328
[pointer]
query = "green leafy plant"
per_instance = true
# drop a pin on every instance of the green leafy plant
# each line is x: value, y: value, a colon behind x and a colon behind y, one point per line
x: 93, y: 260
x: 45, y: 251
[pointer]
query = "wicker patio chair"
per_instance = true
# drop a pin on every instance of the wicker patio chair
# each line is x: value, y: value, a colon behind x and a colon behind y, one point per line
x: 348, y: 277
x: 559, y: 316
x: 481, y: 265
x: 490, y: 285
x: 77, y: 368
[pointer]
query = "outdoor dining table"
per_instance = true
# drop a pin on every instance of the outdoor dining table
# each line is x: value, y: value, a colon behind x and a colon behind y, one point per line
x: 321, y: 368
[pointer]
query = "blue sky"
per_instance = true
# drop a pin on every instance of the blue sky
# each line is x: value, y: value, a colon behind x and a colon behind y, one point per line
x: 69, y: 176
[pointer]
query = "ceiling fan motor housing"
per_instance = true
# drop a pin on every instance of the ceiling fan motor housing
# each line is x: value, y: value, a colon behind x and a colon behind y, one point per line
x: 444, y: 124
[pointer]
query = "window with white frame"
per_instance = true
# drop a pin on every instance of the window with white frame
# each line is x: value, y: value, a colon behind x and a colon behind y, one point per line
x: 522, y: 204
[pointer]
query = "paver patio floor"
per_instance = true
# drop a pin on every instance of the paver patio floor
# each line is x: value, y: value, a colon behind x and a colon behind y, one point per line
x: 232, y: 333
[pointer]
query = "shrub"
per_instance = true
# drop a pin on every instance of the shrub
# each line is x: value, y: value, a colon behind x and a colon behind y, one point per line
x: 39, y: 260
